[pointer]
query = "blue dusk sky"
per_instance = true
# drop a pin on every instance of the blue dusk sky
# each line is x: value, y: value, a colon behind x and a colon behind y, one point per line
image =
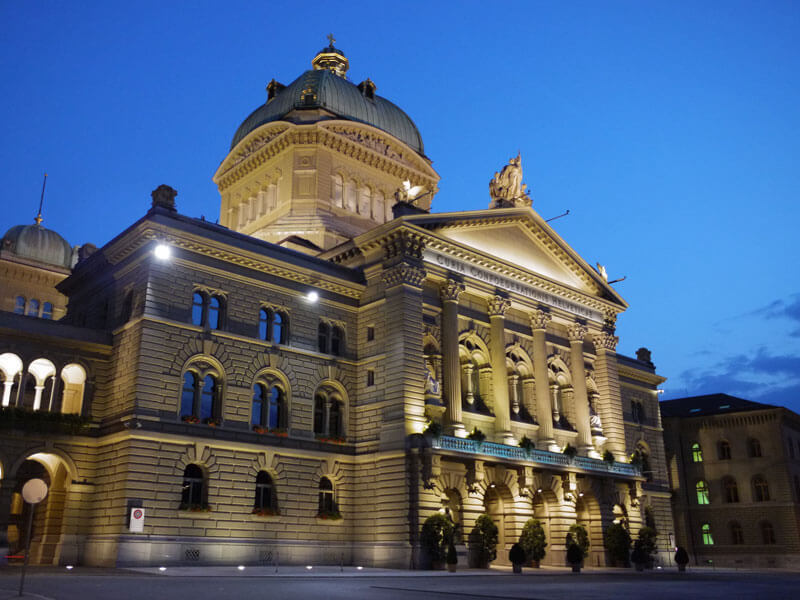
x: 670, y: 130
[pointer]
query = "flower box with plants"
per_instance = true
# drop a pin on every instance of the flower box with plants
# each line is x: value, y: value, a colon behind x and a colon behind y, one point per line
x: 617, y: 541
x: 477, y: 436
x: 527, y: 444
x: 264, y: 512
x: 212, y: 422
x: 433, y: 430
x: 330, y: 515
x: 41, y: 421
x: 517, y: 557
x: 270, y: 431
x: 570, y: 451
x: 577, y: 546
x: 190, y: 419
x: 331, y: 440
x: 194, y: 507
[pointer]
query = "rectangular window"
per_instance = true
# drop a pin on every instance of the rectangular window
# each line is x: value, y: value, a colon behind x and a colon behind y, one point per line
x: 370, y: 377
x: 370, y: 334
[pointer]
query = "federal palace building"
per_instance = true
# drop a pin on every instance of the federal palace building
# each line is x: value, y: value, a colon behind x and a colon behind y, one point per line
x: 309, y: 378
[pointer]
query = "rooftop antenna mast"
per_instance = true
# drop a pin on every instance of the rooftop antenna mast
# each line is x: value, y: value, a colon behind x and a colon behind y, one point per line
x: 38, y: 218
x: 556, y: 217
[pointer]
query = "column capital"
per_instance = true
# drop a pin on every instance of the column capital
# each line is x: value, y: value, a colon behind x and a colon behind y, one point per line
x: 404, y: 274
x: 451, y: 290
x: 540, y: 319
x: 605, y: 341
x: 577, y: 332
x: 498, y: 305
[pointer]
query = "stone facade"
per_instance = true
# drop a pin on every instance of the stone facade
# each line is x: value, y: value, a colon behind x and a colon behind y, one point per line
x: 311, y: 400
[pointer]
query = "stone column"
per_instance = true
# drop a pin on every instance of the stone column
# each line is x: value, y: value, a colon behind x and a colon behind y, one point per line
x: 609, y: 401
x: 539, y: 320
x: 577, y: 333
x: 450, y: 360
x: 7, y: 392
x: 497, y: 355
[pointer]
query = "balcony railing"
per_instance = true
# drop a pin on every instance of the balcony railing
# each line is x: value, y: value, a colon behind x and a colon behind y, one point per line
x: 543, y: 457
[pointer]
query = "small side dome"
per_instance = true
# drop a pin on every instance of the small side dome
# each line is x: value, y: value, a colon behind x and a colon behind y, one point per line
x: 38, y: 243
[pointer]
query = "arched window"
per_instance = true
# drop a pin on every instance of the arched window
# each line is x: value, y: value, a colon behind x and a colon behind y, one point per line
x: 637, y: 411
x: 697, y: 453
x: 265, y: 502
x: 724, y: 450
x: 337, y: 341
x: 208, y: 398
x: 319, y: 414
x: 767, y: 533
x: 731, y: 490
x: 335, y: 419
x: 754, y: 448
x: 41, y: 376
x: 257, y: 412
x: 277, y: 408
x: 73, y: 377
x: 337, y: 190
x: 263, y: 323
x: 19, y: 305
x: 10, y: 372
x: 201, y: 395
x: 737, y: 535
x: 702, y: 492
x: 378, y: 211
x: 365, y: 202
x: 47, y: 310
x: 705, y: 530
x: 329, y: 414
x: 327, y: 501
x: 33, y: 308
x: 323, y: 337
x: 350, y: 200
x: 193, y: 492
x: 760, y: 489
x: 188, y: 393
x: 198, y: 308
x: 278, y: 328
x: 214, y: 312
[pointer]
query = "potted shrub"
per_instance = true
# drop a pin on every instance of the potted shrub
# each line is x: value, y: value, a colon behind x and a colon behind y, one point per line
x: 478, y: 436
x: 638, y: 556
x: 526, y: 444
x: 608, y: 457
x: 433, y: 430
x: 647, y: 543
x: 452, y: 558
x: 617, y: 541
x: 580, y: 537
x: 681, y: 558
x: 570, y: 451
x: 483, y: 542
x: 533, y: 542
x: 575, y: 557
x: 517, y: 557
x: 436, y: 535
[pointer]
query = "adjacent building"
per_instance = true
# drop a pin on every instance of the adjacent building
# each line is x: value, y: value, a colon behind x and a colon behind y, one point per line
x: 308, y: 379
x: 734, y: 470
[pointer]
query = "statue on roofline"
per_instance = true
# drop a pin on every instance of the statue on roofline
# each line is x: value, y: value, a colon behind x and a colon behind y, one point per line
x: 506, y: 187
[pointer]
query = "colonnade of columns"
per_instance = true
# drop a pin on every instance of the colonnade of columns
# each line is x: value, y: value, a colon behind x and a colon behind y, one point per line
x: 506, y: 398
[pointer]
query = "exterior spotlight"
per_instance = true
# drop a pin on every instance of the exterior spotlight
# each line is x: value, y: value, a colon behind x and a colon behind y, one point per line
x: 309, y: 567
x: 659, y: 392
x: 162, y: 252
x: 580, y: 495
x: 491, y: 486
x: 539, y: 491
x: 162, y: 569
x: 359, y: 568
x: 312, y: 297
x: 240, y: 567
x: 69, y: 567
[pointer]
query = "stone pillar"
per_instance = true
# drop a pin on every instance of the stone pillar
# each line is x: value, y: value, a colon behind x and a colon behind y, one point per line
x: 37, y: 399
x: 577, y: 333
x: 450, y: 359
x: 497, y: 355
x: 529, y: 396
x: 539, y: 320
x: 609, y: 401
x: 7, y: 392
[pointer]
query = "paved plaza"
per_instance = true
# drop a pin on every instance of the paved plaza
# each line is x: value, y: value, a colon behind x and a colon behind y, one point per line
x: 206, y: 583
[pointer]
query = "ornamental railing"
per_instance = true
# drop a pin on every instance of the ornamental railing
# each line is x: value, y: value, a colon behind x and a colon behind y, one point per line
x: 447, y: 442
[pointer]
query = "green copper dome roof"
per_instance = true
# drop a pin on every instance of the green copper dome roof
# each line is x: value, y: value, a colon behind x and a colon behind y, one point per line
x: 324, y: 89
x: 38, y: 243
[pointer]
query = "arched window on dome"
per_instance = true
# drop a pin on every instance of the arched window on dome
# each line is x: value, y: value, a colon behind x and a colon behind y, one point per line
x: 350, y: 196
x: 378, y: 210
x: 19, y: 305
x: 365, y: 202
x: 47, y: 310
x: 33, y: 308
x: 337, y: 190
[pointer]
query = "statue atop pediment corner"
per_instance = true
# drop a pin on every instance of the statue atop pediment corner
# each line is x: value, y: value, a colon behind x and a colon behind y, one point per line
x: 506, y: 187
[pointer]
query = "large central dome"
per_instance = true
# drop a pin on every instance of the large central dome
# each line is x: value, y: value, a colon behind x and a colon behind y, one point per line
x: 326, y: 88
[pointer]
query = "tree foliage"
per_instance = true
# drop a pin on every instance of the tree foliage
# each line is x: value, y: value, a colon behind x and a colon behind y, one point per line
x: 533, y: 540
x: 617, y: 541
x: 436, y: 535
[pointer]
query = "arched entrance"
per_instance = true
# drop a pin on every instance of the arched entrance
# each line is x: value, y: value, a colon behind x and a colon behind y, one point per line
x: 47, y: 531
x: 498, y: 504
x: 587, y: 513
x: 452, y: 507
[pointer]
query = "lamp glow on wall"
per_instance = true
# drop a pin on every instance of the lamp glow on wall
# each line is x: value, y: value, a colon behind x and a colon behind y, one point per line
x: 162, y: 251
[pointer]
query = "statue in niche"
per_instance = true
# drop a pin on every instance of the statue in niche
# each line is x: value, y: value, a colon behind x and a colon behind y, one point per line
x: 595, y: 425
x: 506, y: 187
x: 432, y: 387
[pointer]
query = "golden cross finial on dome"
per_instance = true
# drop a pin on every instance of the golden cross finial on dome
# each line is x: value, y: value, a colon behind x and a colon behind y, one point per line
x: 331, y: 39
x: 38, y: 218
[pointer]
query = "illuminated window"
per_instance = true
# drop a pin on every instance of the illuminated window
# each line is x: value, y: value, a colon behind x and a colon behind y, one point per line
x: 697, y: 453
x: 737, y: 535
x: 760, y: 489
x: 265, y: 493
x: 19, y: 305
x: 705, y: 529
x: 327, y: 501
x: 724, y: 450
x: 702, y: 492
x: 754, y: 448
x: 767, y: 533
x: 731, y: 490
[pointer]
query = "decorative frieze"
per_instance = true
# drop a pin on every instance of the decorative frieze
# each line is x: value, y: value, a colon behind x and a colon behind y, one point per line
x: 605, y: 341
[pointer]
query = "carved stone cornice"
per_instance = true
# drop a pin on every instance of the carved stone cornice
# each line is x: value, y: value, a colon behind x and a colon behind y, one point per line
x: 405, y: 244
x: 451, y: 290
x: 498, y: 305
x: 540, y: 319
x: 605, y: 341
x: 403, y: 274
x: 577, y: 332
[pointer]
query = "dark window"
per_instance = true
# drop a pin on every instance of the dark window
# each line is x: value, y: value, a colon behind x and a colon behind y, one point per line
x: 737, y: 535
x: 19, y: 305
x: 265, y: 493
x: 370, y: 334
x: 637, y: 411
x: 189, y: 394
x: 47, y: 310
x: 370, y: 377
x: 791, y: 448
x: 337, y: 341
x: 33, y: 308
x: 335, y: 419
x: 259, y: 393
x: 754, y: 448
x: 198, y: 308
x: 327, y: 505
x: 323, y: 337
x: 319, y: 415
x: 767, y: 533
x: 208, y: 398
x: 760, y: 489
x: 276, y: 408
x: 193, y: 483
x: 724, y: 450
x: 731, y: 490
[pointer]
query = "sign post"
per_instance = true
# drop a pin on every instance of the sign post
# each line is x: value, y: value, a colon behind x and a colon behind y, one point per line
x: 33, y: 492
